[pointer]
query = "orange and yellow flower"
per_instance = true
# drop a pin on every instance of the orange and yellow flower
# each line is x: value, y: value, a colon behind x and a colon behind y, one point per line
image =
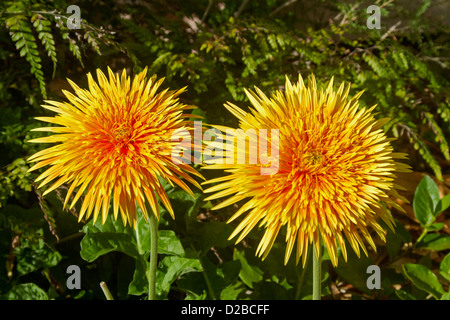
x: 114, y: 141
x: 335, y: 168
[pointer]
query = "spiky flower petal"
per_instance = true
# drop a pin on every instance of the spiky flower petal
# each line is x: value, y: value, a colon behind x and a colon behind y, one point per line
x: 335, y: 167
x: 114, y: 141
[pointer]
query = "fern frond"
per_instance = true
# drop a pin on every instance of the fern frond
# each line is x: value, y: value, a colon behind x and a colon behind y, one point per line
x: 423, y: 7
x: 25, y: 42
x: 92, y: 41
x: 43, y: 27
x: 420, y: 145
x: 375, y: 64
x: 400, y: 58
x: 444, y: 111
x: 440, y: 137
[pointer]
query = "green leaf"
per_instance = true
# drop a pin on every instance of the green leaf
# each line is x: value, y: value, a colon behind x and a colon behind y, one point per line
x: 442, y: 205
x: 426, y: 198
x: 73, y: 47
x: 104, y: 238
x: 436, y: 226
x: 435, y: 241
x: 114, y: 236
x: 423, y: 278
x: 444, y: 269
x: 142, y: 233
x: 43, y: 27
x: 171, y: 268
x: 169, y: 244
x: 396, y: 239
x: 139, y: 284
x: 34, y: 255
x: 193, y: 296
x: 26, y: 291
x: 421, y: 145
x: 403, y: 295
x: 232, y: 291
x: 111, y: 236
x: 94, y: 245
x: 25, y: 41
x: 249, y: 274
x: 220, y: 277
x: 184, y: 203
x: 212, y: 234
x: 446, y: 296
x: 440, y: 135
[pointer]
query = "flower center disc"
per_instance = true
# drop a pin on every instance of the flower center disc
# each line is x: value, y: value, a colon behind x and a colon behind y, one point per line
x: 122, y: 132
x: 313, y: 159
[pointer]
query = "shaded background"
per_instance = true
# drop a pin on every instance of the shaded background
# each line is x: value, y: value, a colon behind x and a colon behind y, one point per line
x: 218, y: 48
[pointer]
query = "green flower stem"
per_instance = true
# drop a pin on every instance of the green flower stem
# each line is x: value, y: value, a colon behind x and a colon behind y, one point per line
x: 153, y: 256
x: 317, y: 273
x: 424, y: 233
x: 106, y: 291
x: 208, y: 282
x: 205, y: 275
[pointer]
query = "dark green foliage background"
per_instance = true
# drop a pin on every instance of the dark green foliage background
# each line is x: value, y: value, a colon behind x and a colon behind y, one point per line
x: 217, y: 48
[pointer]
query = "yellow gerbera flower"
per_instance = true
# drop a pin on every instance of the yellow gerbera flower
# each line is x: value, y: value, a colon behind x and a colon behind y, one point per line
x: 114, y: 139
x: 334, y: 166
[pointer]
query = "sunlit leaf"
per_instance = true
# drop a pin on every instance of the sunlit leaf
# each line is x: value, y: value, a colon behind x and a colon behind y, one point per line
x: 426, y: 198
x: 424, y: 279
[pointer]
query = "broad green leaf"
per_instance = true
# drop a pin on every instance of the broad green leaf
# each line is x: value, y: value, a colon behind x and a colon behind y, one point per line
x: 232, y: 291
x: 444, y: 269
x: 172, y: 267
x: 442, y: 205
x: 94, y: 245
x: 249, y: 274
x: 435, y: 241
x: 111, y: 236
x: 114, y: 236
x: 437, y: 226
x: 212, y: 234
x: 214, y: 278
x: 193, y: 296
x: 219, y: 277
x: 424, y: 279
x: 32, y: 255
x: 110, y: 225
x: 446, y: 296
x: 26, y: 291
x: 194, y: 285
x: 396, y: 239
x: 139, y: 284
x: 142, y: 233
x: 169, y: 244
x: 426, y: 198
x: 403, y: 295
x: 183, y: 203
